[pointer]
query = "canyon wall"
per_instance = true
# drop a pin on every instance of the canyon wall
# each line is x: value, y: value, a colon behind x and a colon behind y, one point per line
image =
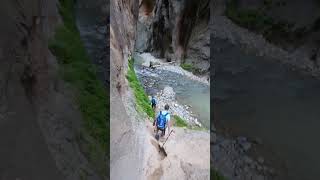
x: 40, y: 121
x: 124, y: 150
x: 176, y: 30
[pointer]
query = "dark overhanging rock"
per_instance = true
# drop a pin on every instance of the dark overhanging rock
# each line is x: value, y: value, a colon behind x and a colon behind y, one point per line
x: 178, y: 31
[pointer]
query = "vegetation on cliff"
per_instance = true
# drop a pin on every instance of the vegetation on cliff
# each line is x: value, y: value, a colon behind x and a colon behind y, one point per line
x: 179, y: 121
x: 192, y: 68
x: 91, y: 96
x: 142, y: 100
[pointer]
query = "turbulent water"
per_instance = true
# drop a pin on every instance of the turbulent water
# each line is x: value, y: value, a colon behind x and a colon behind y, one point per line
x: 257, y: 97
x: 188, y: 92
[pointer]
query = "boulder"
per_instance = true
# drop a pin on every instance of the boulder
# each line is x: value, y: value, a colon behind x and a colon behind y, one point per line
x: 169, y: 93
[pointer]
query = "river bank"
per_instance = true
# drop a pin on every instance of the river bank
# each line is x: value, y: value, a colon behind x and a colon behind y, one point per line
x: 265, y: 92
x: 192, y: 101
x: 172, y: 67
x: 167, y: 96
x: 225, y: 28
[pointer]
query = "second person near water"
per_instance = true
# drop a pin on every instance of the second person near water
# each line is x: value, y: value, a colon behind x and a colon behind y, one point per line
x: 153, y: 103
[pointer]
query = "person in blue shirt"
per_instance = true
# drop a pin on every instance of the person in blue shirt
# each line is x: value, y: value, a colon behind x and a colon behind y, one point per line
x: 153, y: 103
x: 163, y: 120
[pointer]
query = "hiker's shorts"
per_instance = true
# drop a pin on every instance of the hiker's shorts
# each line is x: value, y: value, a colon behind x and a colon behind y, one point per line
x: 163, y: 131
x: 153, y: 106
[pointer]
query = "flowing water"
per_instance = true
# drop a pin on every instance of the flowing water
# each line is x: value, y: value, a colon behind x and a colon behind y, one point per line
x: 188, y: 92
x: 258, y: 97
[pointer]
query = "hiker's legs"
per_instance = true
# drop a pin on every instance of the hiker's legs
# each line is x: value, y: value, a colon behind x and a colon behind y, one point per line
x: 154, y: 122
x: 163, y: 132
x: 157, y: 134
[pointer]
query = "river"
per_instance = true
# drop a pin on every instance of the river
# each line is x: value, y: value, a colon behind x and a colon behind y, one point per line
x: 258, y: 97
x: 188, y: 92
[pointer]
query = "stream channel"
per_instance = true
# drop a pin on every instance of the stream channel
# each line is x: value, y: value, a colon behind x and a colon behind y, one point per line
x: 188, y: 92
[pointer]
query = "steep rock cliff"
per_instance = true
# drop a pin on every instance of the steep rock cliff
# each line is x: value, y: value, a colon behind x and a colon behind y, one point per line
x: 39, y: 118
x: 176, y: 30
x: 123, y: 157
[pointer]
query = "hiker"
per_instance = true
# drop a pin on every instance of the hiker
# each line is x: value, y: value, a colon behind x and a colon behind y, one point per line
x: 162, y: 121
x: 153, y: 103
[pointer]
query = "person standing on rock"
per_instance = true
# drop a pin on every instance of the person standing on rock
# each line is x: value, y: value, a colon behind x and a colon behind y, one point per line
x: 153, y: 103
x: 162, y: 121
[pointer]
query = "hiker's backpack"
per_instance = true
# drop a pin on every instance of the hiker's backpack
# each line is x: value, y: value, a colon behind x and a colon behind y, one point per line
x: 153, y: 101
x: 161, y: 120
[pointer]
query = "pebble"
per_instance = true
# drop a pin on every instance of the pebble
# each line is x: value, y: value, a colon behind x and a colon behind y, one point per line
x: 260, y: 160
x: 271, y: 171
x: 247, y: 160
x: 259, y: 168
x: 265, y: 168
x: 246, y: 146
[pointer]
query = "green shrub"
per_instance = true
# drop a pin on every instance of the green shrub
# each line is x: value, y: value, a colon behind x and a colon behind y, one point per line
x: 92, y: 97
x: 179, y: 121
x: 191, y: 68
x: 187, y: 67
x: 142, y: 99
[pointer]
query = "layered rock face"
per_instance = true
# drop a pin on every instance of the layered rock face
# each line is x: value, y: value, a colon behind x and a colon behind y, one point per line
x: 39, y: 120
x: 124, y: 148
x: 123, y: 19
x: 176, y: 30
x: 25, y: 79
